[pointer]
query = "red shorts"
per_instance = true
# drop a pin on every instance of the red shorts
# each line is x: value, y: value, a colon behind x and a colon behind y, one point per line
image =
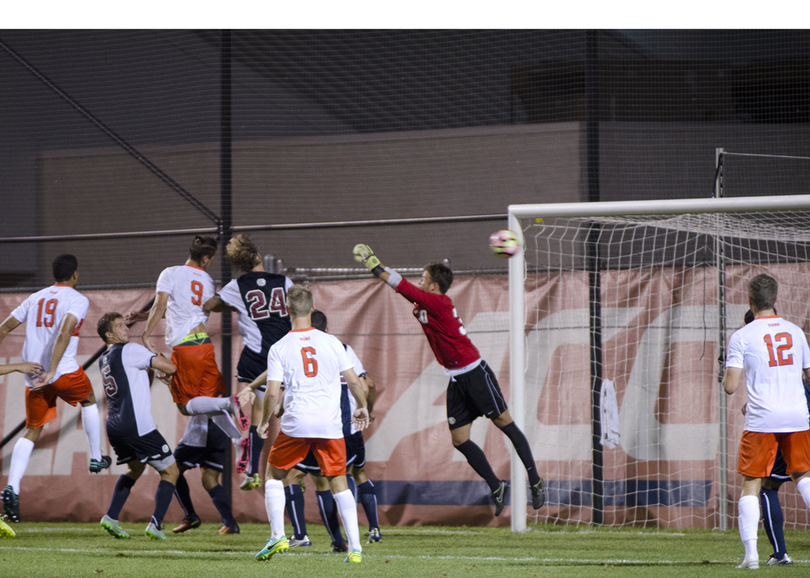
x: 288, y: 452
x: 758, y: 452
x: 197, y: 373
x: 40, y: 405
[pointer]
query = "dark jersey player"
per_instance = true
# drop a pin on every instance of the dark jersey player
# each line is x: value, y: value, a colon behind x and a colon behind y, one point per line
x: 126, y: 371
x: 260, y: 299
x: 473, y: 389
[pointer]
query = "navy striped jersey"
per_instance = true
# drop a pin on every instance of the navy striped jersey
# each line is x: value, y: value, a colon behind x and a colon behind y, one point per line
x: 126, y: 384
x: 347, y: 402
x: 261, y: 300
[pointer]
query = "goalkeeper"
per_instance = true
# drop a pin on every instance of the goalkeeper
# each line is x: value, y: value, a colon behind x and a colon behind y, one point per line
x: 473, y: 389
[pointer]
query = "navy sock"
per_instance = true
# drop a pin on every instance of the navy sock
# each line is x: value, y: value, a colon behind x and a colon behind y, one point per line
x: 524, y: 451
x: 183, y: 493
x: 329, y: 515
x: 295, y: 509
x: 367, y: 496
x: 120, y: 495
x: 773, y: 520
x: 222, y: 505
x: 478, y: 461
x: 256, y: 445
x: 163, y: 498
x: 352, y: 486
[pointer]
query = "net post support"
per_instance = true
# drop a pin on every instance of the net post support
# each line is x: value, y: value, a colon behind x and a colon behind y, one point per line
x: 723, y: 487
x: 517, y: 337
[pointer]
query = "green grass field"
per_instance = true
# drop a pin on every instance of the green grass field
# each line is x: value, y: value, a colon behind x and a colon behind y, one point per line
x: 44, y: 550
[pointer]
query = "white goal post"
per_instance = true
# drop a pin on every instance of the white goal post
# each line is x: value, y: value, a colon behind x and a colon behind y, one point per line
x: 750, y: 234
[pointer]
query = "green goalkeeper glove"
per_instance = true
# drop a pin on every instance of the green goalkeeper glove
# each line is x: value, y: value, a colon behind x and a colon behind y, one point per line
x: 365, y: 255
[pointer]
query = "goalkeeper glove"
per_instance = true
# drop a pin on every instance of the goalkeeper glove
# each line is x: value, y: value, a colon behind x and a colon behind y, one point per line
x: 365, y: 255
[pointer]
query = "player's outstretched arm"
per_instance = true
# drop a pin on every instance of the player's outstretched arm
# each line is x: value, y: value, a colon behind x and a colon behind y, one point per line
x: 162, y: 364
x: 363, y: 254
x: 8, y: 326
x: 29, y: 367
x: 360, y: 415
x: 217, y: 305
x: 156, y: 313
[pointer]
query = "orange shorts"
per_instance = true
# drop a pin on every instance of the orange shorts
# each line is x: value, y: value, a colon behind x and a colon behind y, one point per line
x: 40, y: 405
x: 197, y: 373
x: 758, y: 452
x: 288, y: 452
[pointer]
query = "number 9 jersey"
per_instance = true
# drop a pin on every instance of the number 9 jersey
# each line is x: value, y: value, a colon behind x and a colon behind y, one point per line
x: 772, y: 352
x: 188, y: 288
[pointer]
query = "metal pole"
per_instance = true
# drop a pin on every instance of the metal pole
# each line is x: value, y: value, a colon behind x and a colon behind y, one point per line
x: 517, y: 339
x: 225, y: 175
x: 723, y: 497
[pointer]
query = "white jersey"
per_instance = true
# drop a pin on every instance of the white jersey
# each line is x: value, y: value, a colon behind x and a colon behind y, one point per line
x: 43, y: 313
x: 357, y: 365
x: 189, y: 287
x: 772, y: 352
x: 309, y: 363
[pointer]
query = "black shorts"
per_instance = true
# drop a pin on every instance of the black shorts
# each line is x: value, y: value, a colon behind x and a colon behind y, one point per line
x: 251, y: 365
x: 474, y: 394
x: 779, y: 469
x: 211, y: 456
x: 150, y: 447
x: 355, y: 455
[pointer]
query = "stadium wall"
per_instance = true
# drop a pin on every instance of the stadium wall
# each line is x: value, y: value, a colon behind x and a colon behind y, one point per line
x: 664, y: 472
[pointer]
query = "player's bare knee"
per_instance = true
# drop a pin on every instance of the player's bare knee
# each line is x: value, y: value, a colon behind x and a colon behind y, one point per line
x: 135, y: 469
x: 170, y: 474
x: 91, y: 400
x: 337, y: 483
x: 210, y: 479
x: 32, y: 434
x: 799, y: 476
x: 181, y: 407
x: 502, y: 420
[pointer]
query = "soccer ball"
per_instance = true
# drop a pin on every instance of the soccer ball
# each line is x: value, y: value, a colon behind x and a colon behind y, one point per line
x: 504, y: 243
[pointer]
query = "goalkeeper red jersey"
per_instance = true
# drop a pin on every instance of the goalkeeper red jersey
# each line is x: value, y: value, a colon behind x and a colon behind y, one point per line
x: 444, y: 330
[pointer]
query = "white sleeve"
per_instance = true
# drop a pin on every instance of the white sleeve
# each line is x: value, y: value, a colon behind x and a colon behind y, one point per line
x: 734, y: 357
x: 78, y: 306
x: 287, y: 284
x: 344, y: 361
x: 231, y: 295
x: 165, y: 282
x: 805, y: 351
x: 357, y: 365
x: 21, y: 312
x: 138, y: 356
x: 275, y: 369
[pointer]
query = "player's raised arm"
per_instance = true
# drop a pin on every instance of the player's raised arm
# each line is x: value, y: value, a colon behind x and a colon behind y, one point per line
x: 156, y: 313
x: 360, y: 416
x: 69, y: 323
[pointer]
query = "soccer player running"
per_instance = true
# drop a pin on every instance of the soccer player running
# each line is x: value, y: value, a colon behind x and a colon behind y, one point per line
x: 260, y: 299
x: 774, y: 357
x: 126, y: 369
x: 309, y: 363
x: 53, y: 317
x: 197, y: 386
x: 473, y: 389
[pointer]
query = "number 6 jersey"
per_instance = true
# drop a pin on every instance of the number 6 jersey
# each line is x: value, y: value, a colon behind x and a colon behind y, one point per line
x: 772, y: 352
x: 42, y: 313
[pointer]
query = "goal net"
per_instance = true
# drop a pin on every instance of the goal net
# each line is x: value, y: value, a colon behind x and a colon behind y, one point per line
x: 619, y: 315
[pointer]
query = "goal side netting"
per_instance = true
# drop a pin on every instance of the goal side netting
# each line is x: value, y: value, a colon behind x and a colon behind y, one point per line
x: 619, y: 315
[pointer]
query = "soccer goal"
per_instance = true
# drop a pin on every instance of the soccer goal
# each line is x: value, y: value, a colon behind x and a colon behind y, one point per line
x: 619, y: 315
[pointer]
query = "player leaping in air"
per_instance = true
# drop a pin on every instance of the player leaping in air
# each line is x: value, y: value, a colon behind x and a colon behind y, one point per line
x: 473, y: 389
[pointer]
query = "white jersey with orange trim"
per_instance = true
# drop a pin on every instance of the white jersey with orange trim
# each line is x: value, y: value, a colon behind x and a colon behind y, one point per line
x: 309, y: 363
x: 772, y: 352
x: 188, y: 288
x: 42, y: 314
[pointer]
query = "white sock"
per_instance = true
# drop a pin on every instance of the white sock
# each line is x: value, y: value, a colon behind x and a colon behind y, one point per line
x: 19, y: 461
x: 803, y: 485
x: 347, y: 508
x: 207, y: 405
x: 274, y: 504
x: 91, y: 422
x: 748, y: 521
x: 225, y: 422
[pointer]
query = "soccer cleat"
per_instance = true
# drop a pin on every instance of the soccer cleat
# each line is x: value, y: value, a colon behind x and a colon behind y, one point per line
x: 242, y: 420
x: 244, y: 458
x: 374, y: 536
x: 188, y: 524
x: 228, y: 530
x: 752, y: 564
x: 97, y: 465
x: 11, y: 504
x: 499, y: 497
x: 5, y: 530
x: 114, y: 528
x: 338, y: 548
x: 251, y: 482
x: 355, y: 556
x: 538, y: 495
x: 305, y: 541
x: 152, y: 531
x: 783, y: 561
x: 277, y: 547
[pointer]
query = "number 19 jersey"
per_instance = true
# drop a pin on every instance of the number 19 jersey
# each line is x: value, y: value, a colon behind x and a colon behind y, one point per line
x: 772, y: 352
x: 188, y: 288
x: 43, y: 313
